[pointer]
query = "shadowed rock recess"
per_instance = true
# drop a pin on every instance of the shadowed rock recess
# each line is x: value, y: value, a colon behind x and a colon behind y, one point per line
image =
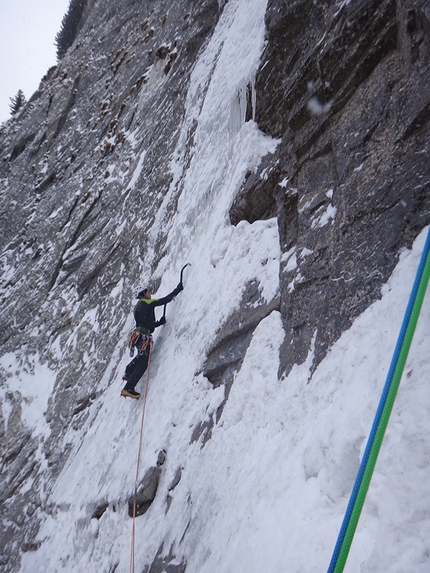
x: 343, y: 86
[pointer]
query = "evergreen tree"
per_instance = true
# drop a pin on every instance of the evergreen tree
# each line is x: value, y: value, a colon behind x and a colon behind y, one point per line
x: 17, y: 102
x: 69, y: 27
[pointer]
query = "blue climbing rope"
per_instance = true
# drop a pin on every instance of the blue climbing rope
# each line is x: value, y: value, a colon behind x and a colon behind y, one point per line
x: 383, y: 412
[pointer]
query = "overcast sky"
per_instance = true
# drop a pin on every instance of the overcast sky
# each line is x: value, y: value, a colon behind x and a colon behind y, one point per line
x: 27, y: 50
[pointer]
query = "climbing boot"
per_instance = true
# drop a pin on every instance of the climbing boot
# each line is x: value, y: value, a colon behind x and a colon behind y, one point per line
x: 130, y: 394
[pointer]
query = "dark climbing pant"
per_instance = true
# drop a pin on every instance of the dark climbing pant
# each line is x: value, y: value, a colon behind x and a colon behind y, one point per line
x: 137, y: 367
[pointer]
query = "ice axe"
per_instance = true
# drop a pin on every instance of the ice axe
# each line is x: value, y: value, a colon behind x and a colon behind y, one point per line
x: 180, y: 280
x: 182, y: 270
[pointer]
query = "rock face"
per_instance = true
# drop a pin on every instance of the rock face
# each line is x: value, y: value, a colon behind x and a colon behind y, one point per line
x: 343, y: 86
x: 67, y: 172
x: 139, y: 504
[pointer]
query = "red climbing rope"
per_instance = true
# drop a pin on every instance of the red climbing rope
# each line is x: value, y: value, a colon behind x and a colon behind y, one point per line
x: 133, y: 526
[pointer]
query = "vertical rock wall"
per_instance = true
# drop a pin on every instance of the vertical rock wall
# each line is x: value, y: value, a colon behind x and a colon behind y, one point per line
x: 345, y: 86
x: 82, y: 175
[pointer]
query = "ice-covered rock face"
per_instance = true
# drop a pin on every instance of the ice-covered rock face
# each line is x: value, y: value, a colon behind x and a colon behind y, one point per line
x: 280, y: 148
x: 84, y: 169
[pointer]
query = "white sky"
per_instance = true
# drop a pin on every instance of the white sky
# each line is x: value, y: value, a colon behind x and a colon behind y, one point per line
x: 27, y: 50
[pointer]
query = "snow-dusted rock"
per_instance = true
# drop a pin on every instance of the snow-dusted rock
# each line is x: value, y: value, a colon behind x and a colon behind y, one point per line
x: 175, y: 132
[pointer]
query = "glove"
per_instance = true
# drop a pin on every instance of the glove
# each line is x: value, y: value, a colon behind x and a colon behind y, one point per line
x: 180, y: 287
x: 161, y: 321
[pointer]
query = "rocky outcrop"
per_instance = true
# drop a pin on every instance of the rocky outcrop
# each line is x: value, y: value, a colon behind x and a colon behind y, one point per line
x: 165, y: 563
x: 344, y: 86
x: 225, y: 358
x: 146, y: 489
x: 228, y: 351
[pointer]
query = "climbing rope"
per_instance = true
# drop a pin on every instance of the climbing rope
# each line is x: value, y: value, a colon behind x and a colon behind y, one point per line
x: 382, y: 416
x: 133, y: 526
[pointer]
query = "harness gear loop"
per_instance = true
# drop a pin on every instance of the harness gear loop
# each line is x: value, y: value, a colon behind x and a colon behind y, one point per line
x: 147, y: 340
x: 132, y: 339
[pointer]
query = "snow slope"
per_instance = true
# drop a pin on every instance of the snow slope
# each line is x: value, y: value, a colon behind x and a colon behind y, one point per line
x: 268, y: 491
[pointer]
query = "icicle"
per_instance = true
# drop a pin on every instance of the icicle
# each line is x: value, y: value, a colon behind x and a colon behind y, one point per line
x: 253, y: 98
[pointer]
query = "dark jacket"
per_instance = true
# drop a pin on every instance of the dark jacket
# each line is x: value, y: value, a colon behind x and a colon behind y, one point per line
x: 144, y: 311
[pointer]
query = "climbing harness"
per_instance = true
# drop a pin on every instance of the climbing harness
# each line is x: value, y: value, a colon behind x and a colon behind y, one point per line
x: 133, y: 526
x: 382, y: 416
x: 138, y: 340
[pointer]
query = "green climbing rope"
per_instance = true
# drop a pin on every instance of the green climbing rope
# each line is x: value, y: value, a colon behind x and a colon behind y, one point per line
x: 382, y: 416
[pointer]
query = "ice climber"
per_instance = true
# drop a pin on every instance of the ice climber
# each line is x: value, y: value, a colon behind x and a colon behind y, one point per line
x: 141, y: 337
